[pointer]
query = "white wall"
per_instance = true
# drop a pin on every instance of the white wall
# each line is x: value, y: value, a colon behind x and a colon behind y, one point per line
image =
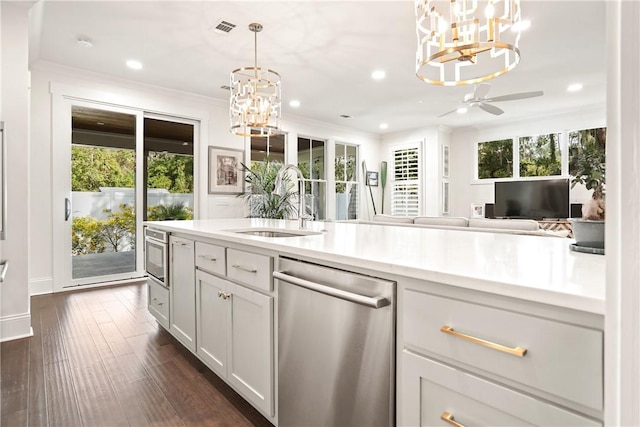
x: 15, y: 317
x: 465, y: 189
x: 213, y: 115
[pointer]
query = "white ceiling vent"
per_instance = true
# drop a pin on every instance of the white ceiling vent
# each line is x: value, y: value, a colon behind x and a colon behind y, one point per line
x: 223, y: 27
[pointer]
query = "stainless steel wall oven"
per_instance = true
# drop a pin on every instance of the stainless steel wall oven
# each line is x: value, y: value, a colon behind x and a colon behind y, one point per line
x: 156, y: 255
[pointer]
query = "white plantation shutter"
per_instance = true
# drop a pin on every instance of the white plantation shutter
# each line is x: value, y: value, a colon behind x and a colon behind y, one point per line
x: 405, y: 195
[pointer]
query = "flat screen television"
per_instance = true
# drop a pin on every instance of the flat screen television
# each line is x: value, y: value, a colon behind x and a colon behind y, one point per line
x: 537, y: 199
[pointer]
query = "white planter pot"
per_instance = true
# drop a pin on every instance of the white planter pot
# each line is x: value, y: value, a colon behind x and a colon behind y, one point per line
x: 588, y: 233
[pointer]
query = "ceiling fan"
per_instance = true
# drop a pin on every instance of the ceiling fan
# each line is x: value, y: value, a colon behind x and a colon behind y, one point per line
x: 478, y: 98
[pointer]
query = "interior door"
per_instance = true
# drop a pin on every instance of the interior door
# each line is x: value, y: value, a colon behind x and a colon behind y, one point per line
x: 97, y: 198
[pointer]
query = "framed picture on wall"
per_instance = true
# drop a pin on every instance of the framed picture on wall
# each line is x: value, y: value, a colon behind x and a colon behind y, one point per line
x: 225, y: 171
x: 477, y: 210
x: 372, y: 179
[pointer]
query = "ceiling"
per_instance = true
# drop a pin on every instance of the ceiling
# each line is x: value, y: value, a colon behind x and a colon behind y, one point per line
x: 325, y: 52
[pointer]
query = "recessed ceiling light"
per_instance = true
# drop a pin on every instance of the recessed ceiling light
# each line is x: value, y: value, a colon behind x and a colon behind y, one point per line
x: 462, y: 110
x: 134, y: 65
x: 575, y: 87
x: 378, y: 75
x: 523, y: 25
x: 294, y: 103
x: 384, y: 126
x: 84, y: 42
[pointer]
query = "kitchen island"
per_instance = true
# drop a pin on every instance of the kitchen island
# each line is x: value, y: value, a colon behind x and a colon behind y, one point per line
x: 465, y: 301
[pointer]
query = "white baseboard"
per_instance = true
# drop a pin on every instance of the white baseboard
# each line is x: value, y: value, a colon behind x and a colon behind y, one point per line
x: 41, y: 286
x: 15, y: 326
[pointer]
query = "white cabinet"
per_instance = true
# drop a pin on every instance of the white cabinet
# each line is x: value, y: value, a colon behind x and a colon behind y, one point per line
x: 235, y: 337
x: 182, y: 287
x: 493, y: 363
x: 434, y: 392
x: 250, y: 269
x: 158, y: 302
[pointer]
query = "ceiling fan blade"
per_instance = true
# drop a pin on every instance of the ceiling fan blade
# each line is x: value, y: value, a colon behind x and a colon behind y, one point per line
x: 448, y: 112
x: 490, y: 109
x: 514, y: 96
x: 481, y: 90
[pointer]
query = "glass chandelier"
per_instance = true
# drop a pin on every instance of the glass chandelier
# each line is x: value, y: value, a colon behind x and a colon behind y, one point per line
x: 255, y: 103
x: 466, y: 41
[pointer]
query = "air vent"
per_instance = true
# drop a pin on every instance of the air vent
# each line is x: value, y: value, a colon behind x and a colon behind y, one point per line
x: 225, y: 87
x: 346, y: 116
x: 224, y: 27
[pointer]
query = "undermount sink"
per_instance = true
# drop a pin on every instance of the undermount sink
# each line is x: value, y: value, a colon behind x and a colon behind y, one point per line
x: 274, y: 232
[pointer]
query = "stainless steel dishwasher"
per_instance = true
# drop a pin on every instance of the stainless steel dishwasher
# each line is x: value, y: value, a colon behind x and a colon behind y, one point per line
x: 336, y: 339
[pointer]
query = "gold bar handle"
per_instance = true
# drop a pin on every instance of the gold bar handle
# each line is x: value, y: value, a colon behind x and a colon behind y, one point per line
x: 448, y: 418
x: 517, y: 351
x: 243, y: 268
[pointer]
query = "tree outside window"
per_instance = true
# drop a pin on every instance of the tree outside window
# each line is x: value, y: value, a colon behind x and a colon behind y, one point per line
x: 540, y: 155
x: 495, y: 159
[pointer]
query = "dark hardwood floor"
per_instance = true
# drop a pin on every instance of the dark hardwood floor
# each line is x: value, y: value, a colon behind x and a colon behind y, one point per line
x: 98, y: 358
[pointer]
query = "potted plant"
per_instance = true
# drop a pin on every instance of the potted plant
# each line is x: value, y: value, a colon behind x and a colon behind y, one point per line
x: 587, y: 167
x: 261, y: 199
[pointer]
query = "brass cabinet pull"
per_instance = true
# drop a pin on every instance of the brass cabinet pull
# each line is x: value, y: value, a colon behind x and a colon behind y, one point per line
x: 208, y: 258
x: 223, y: 295
x: 243, y: 268
x: 447, y: 417
x: 517, y: 351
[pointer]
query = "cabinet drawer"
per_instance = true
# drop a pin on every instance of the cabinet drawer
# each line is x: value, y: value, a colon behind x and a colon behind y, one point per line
x: 250, y: 269
x: 210, y: 258
x: 561, y: 359
x: 431, y: 390
x: 158, y: 302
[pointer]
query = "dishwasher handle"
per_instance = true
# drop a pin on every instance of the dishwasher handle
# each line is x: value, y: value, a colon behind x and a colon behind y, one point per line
x: 373, y: 302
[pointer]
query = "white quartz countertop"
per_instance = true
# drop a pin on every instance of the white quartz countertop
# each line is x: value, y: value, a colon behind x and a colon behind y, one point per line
x: 534, y: 268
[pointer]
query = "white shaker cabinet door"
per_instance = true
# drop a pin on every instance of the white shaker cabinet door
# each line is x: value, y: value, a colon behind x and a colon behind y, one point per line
x: 182, y: 288
x: 213, y: 317
x: 251, y: 368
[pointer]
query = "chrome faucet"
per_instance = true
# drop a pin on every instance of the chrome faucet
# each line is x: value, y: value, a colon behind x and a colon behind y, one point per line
x: 279, y: 190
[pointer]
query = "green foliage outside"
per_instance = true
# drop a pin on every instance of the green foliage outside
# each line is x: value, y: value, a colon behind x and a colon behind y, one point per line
x: 262, y: 200
x: 540, y: 155
x: 345, y: 170
x: 171, y: 171
x: 495, y: 159
x: 117, y: 231
x: 95, y: 167
x: 175, y: 211
x: 587, y: 155
x: 92, y: 168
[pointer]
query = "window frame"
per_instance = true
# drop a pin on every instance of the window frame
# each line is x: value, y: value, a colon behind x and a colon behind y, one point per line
x: 354, y: 183
x: 563, y: 136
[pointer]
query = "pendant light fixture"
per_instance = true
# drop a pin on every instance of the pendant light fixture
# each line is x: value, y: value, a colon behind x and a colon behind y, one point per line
x: 255, y: 103
x: 466, y: 41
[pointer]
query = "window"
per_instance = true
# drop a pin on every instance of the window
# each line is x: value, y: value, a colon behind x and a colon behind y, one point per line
x: 346, y: 182
x: 587, y: 144
x: 272, y: 147
x: 540, y: 155
x: 405, y: 195
x: 311, y: 163
x: 495, y: 159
